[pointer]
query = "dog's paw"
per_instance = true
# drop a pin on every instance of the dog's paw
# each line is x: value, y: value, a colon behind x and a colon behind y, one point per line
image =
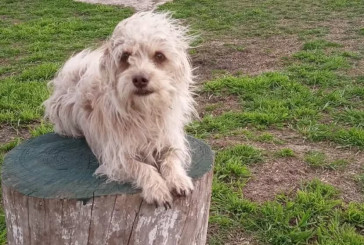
x: 159, y: 195
x: 180, y: 184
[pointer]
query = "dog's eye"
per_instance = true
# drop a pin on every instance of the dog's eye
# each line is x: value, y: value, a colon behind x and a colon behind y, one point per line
x: 125, y: 56
x: 159, y: 57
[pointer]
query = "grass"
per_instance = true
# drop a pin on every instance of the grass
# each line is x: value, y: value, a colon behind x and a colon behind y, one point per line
x: 314, y: 94
x: 232, y: 164
x: 315, y: 215
x: 361, y: 31
x: 338, y: 164
x: 319, y: 44
x: 260, y: 18
x: 347, y: 137
x: 315, y: 158
x: 41, y: 129
x: 318, y: 159
x: 351, y: 117
x: 265, y: 137
x: 285, y: 152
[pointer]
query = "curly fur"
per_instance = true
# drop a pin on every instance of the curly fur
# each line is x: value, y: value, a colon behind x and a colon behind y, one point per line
x: 137, y: 138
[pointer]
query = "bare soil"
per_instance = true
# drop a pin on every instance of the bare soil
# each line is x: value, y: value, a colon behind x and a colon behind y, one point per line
x: 234, y: 237
x: 219, y: 104
x: 9, y: 133
x: 251, y: 56
x: 345, y: 32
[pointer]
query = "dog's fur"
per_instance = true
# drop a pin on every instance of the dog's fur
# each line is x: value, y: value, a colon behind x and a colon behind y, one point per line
x: 137, y: 134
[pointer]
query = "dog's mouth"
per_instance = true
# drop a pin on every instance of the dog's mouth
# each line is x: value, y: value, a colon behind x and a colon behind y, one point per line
x: 143, y: 92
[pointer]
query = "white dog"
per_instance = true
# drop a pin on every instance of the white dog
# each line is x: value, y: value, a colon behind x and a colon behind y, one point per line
x: 131, y: 99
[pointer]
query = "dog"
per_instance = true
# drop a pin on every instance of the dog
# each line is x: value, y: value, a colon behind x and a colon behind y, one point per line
x: 130, y: 99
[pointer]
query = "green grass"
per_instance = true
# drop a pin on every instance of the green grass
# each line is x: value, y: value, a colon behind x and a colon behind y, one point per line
x: 318, y: 159
x: 319, y: 44
x: 351, y: 117
x: 42, y: 128
x: 258, y: 18
x: 347, y: 137
x: 21, y: 101
x: 338, y: 164
x: 315, y: 159
x: 285, y: 152
x: 361, y: 31
x: 8, y: 146
x: 231, y: 173
x: 232, y: 164
x: 265, y: 137
x: 241, y: 153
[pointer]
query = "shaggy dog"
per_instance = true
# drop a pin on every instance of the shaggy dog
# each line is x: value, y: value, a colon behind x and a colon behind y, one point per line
x: 131, y: 99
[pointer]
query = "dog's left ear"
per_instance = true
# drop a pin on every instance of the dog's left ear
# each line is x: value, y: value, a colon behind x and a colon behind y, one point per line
x: 185, y: 69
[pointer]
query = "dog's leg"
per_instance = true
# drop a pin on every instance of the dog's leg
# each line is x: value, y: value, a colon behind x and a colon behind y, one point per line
x: 171, y: 169
x: 154, y: 187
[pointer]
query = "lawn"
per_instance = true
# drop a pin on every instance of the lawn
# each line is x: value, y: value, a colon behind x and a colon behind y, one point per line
x: 280, y: 96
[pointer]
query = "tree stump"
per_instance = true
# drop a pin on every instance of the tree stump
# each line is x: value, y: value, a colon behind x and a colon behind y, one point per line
x: 52, y: 197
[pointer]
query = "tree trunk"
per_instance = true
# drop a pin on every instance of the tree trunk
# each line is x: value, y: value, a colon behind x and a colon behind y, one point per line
x: 51, y: 197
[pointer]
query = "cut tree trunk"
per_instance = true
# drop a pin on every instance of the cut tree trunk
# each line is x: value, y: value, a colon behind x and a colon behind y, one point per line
x: 51, y: 197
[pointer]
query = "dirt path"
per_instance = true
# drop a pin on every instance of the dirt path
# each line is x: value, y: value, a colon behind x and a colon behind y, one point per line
x: 138, y: 5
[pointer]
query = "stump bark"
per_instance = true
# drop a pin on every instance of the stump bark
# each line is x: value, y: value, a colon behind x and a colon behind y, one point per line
x: 51, y: 197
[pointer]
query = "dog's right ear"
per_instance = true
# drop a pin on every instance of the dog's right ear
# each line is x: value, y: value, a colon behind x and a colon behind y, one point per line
x: 106, y: 63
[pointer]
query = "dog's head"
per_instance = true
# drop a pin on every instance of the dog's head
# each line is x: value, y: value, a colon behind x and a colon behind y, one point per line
x: 146, y: 60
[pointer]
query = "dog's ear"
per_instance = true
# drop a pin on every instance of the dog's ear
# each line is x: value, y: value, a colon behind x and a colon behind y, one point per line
x: 185, y: 69
x: 107, y: 64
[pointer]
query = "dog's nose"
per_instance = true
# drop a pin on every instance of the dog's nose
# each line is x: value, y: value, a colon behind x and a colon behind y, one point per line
x: 140, y: 81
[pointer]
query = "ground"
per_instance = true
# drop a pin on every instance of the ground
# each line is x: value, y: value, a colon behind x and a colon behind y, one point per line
x: 140, y: 5
x: 280, y: 97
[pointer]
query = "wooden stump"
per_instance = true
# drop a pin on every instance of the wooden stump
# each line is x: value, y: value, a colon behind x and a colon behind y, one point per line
x: 51, y: 197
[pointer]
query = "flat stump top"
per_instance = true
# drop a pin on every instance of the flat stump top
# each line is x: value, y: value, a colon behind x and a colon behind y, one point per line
x: 51, y: 166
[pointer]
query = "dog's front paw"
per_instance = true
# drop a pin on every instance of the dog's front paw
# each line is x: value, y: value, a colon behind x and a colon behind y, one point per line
x: 158, y: 195
x: 180, y: 184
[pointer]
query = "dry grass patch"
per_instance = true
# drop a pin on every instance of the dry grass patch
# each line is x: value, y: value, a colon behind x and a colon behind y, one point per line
x: 243, y: 56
